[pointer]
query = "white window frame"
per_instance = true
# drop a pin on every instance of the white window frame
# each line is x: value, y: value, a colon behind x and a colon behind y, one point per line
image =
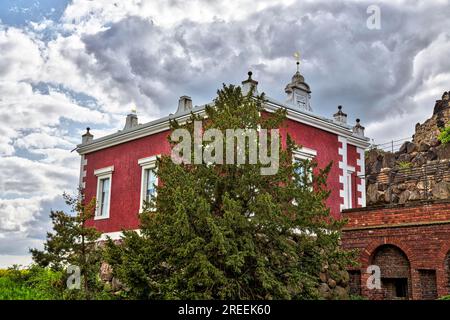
x: 304, y: 154
x: 101, y: 174
x: 146, y: 163
x: 349, y: 194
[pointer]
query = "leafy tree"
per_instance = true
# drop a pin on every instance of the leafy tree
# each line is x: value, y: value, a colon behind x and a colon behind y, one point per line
x: 73, y: 243
x: 221, y: 231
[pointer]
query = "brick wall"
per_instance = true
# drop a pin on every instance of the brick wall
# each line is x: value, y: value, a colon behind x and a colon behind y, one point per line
x: 395, y: 271
x: 418, y: 234
x: 428, y: 284
x: 447, y: 270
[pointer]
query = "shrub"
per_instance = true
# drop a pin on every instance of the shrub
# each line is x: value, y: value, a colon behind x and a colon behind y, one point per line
x: 35, y: 283
x: 444, y: 137
x: 404, y: 165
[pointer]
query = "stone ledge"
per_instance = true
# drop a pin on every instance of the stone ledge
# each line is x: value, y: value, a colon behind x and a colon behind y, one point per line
x: 398, y: 225
x: 408, y: 205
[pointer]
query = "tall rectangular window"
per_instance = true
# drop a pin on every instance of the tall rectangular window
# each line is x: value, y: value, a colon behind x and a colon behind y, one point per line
x: 104, y: 196
x: 104, y: 183
x: 149, y: 181
x: 300, y: 156
x: 303, y: 171
x: 350, y: 192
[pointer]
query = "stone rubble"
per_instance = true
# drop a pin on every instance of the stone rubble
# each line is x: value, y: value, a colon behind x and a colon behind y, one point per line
x: 419, y: 170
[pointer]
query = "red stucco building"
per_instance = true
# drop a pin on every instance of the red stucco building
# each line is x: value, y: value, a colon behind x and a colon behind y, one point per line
x: 116, y: 169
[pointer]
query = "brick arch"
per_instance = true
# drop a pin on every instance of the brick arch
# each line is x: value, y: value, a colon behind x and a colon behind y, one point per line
x: 444, y: 270
x: 367, y: 253
x: 447, y: 272
x: 443, y: 253
x: 395, y: 266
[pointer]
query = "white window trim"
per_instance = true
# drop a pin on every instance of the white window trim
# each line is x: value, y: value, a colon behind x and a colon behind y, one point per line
x: 342, y: 151
x: 304, y: 154
x: 350, y: 170
x: 361, y: 186
x: 146, y: 163
x: 103, y: 173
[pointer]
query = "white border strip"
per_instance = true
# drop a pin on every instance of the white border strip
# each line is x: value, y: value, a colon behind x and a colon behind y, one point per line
x: 342, y: 151
x: 362, y: 169
x: 117, y: 235
x: 269, y: 106
x: 83, y: 163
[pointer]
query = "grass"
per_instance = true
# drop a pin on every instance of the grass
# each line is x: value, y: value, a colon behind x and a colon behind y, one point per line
x: 37, y: 283
x: 10, y: 290
x: 32, y: 284
x: 404, y: 165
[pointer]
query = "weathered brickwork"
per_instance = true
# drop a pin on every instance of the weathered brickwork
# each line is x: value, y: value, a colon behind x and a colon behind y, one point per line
x: 428, y: 284
x: 411, y: 245
x: 395, y: 271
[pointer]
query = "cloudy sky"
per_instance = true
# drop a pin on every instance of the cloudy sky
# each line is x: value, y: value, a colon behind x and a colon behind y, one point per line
x: 66, y: 65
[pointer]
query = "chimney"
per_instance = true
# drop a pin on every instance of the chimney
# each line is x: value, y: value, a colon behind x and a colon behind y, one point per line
x: 358, y: 129
x: 87, y: 137
x: 340, y: 116
x: 250, y: 85
x: 184, y: 104
x: 131, y: 121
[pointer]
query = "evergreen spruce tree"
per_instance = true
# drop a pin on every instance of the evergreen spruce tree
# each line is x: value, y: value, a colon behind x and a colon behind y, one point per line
x: 72, y: 243
x: 223, y: 231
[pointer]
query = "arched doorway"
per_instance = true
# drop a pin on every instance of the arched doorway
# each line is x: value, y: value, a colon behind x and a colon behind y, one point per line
x: 395, y: 272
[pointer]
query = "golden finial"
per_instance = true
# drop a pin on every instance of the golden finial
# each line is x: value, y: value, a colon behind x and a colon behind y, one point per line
x: 297, y: 58
x: 133, y: 109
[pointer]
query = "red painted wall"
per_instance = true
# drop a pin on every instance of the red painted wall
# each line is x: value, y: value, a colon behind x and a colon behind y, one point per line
x: 326, y: 144
x: 126, y: 178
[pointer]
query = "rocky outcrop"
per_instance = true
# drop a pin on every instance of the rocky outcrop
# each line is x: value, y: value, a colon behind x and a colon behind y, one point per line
x: 113, y: 283
x: 334, y: 283
x: 419, y: 170
x: 429, y: 131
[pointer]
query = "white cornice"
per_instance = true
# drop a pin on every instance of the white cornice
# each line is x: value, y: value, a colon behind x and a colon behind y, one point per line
x: 270, y: 105
x: 104, y: 171
x: 141, y: 131
x: 304, y: 153
x: 150, y: 161
x: 320, y: 123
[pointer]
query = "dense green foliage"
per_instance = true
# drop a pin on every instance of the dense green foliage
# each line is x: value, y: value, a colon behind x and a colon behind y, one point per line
x: 73, y: 244
x: 35, y: 283
x: 444, y: 137
x: 218, y: 231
